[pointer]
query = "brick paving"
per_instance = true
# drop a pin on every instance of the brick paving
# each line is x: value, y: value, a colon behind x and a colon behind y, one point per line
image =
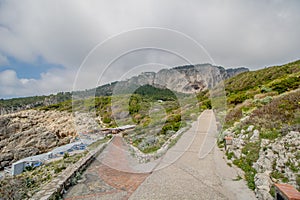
x: 109, y: 176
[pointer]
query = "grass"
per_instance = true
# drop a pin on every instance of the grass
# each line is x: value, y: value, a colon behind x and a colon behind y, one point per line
x: 94, y: 145
x: 29, y: 182
x: 270, y: 135
x: 251, y: 152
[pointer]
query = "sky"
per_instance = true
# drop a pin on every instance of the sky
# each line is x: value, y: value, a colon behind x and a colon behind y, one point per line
x: 52, y: 45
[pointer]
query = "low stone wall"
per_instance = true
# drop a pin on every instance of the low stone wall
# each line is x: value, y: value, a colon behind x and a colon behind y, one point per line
x: 58, y: 185
x: 144, y: 158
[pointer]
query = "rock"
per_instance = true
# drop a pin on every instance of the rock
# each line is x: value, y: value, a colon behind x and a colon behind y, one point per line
x: 4, y: 164
x: 250, y: 128
x: 31, y: 132
x: 263, y: 184
x: 25, y: 152
x: 265, y: 161
x: 244, y: 119
x: 6, y: 156
x: 237, y: 153
x: 255, y: 135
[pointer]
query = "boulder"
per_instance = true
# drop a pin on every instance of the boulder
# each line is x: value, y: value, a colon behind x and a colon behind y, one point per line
x: 250, y: 128
x: 263, y: 184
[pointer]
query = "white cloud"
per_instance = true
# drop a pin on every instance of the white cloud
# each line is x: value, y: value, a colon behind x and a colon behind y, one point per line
x: 50, y: 82
x: 235, y: 33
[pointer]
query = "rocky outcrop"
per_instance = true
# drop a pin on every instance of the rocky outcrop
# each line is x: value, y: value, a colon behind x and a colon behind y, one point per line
x: 278, y: 159
x: 185, y: 79
x: 32, y: 132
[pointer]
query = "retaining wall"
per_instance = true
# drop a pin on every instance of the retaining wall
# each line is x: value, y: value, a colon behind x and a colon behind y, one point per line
x: 62, y: 182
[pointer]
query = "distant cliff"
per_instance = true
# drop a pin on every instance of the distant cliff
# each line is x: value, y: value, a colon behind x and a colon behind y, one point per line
x: 184, y: 79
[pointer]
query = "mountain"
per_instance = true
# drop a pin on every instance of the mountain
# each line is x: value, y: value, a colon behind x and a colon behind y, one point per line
x: 183, y: 79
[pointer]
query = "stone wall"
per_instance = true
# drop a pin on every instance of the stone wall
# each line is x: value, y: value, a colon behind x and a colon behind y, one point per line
x: 57, y: 186
x: 144, y: 158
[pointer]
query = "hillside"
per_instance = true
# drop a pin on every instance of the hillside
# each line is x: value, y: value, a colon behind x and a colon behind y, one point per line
x: 32, y: 132
x: 263, y: 118
x: 183, y: 79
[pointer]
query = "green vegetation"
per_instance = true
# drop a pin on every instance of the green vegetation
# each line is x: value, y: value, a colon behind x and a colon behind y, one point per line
x: 269, y: 99
x: 99, y: 142
x: 251, y: 150
x: 298, y: 180
x: 29, y: 182
x: 255, y: 79
x: 153, y: 93
x: 157, y: 112
x: 34, y: 101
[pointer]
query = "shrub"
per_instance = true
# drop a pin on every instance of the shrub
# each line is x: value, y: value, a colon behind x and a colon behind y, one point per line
x: 66, y: 155
x: 229, y: 155
x: 298, y: 181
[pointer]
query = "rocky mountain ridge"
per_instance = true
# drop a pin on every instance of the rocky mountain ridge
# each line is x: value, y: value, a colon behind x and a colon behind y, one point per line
x: 184, y: 79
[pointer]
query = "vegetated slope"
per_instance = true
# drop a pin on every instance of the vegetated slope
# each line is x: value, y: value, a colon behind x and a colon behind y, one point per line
x: 184, y: 79
x: 276, y: 79
x: 263, y: 118
x: 157, y: 112
x: 17, y: 104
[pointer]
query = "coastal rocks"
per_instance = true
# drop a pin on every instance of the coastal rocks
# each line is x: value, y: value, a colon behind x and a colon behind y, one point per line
x: 31, y: 132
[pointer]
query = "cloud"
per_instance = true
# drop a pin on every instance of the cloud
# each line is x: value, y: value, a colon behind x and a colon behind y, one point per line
x: 235, y: 33
x: 3, y: 60
x: 50, y: 82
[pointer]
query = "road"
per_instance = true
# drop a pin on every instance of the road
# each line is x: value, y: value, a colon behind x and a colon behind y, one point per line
x: 192, y: 169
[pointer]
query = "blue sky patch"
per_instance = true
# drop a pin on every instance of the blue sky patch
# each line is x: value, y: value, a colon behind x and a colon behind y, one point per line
x: 29, y: 70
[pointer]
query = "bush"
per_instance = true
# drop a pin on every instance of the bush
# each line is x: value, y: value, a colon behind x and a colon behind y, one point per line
x: 66, y: 155
x: 229, y: 155
x: 298, y: 181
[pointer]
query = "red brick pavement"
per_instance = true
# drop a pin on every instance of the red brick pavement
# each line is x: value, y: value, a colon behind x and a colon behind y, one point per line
x: 110, y: 176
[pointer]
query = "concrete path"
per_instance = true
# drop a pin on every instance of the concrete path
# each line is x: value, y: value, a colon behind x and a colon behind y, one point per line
x: 200, y: 172
x: 193, y: 169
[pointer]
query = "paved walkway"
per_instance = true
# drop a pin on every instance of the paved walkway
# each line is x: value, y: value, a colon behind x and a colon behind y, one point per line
x: 109, y: 176
x: 200, y: 172
x: 192, y: 169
